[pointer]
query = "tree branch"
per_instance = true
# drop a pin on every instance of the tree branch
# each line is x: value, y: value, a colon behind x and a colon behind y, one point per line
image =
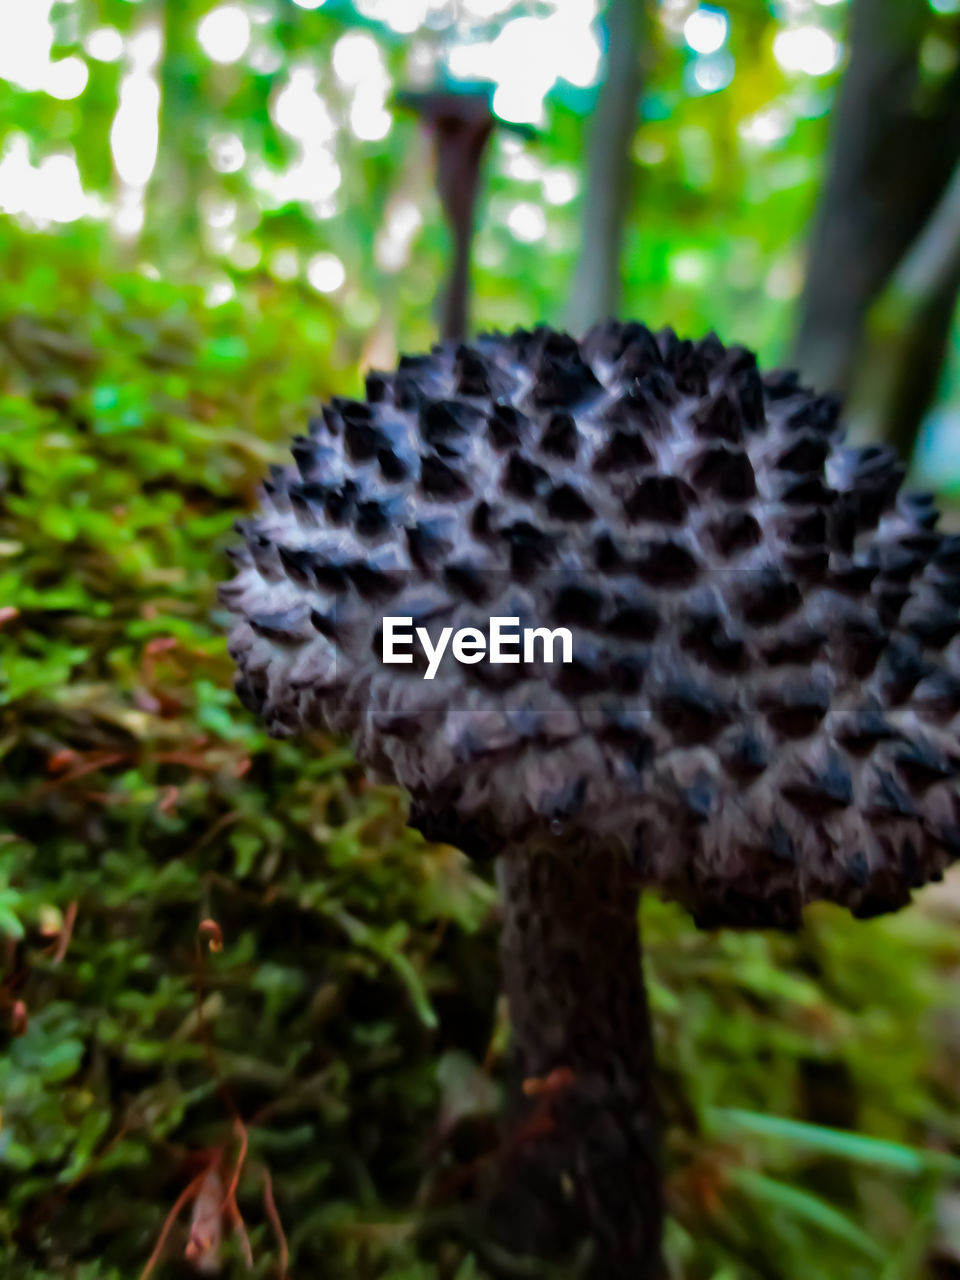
x: 895, y: 142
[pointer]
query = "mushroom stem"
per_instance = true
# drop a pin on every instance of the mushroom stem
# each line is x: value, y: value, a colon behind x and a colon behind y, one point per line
x: 581, y: 1173
x: 462, y: 124
x: 453, y: 325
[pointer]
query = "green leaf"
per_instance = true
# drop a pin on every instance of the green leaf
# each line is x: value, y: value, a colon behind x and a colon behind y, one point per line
x: 810, y: 1209
x: 385, y: 944
x: 857, y: 1147
x: 10, y: 924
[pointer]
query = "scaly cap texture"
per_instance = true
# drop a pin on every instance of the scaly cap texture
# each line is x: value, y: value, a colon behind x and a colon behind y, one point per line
x: 762, y: 706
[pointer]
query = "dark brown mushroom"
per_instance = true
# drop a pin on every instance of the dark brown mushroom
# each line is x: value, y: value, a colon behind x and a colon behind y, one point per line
x: 461, y: 122
x: 760, y: 711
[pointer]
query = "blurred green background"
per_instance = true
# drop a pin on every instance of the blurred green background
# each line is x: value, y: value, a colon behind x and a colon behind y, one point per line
x: 212, y: 217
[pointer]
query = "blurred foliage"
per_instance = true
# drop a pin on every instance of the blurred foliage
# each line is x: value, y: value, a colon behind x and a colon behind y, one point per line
x: 725, y: 178
x: 350, y: 1020
x: 349, y: 1025
x: 727, y: 158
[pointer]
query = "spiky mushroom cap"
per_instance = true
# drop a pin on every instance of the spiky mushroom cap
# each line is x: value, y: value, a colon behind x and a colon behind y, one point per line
x: 762, y: 706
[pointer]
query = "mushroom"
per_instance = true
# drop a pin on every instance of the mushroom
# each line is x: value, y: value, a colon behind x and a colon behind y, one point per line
x: 760, y: 710
x: 462, y: 121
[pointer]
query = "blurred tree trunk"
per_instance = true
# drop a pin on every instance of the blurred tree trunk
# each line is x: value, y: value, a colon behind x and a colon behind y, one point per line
x: 909, y: 329
x: 181, y: 171
x: 610, y: 170
x: 895, y: 142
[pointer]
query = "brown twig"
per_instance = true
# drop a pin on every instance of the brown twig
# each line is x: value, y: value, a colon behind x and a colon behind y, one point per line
x: 233, y: 1213
x: 274, y: 1217
x: 66, y: 933
x: 240, y: 1129
x: 209, y: 931
x: 185, y: 1196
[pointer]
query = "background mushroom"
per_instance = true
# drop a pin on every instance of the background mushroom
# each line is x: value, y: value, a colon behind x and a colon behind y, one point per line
x: 461, y: 122
x: 759, y: 712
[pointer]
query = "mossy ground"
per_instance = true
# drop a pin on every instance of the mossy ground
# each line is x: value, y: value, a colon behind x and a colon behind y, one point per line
x: 349, y: 1023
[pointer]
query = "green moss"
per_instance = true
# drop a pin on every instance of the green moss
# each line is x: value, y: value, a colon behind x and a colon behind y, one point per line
x: 353, y: 1002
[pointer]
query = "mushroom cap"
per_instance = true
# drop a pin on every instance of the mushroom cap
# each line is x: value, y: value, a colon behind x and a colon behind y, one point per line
x: 761, y: 710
